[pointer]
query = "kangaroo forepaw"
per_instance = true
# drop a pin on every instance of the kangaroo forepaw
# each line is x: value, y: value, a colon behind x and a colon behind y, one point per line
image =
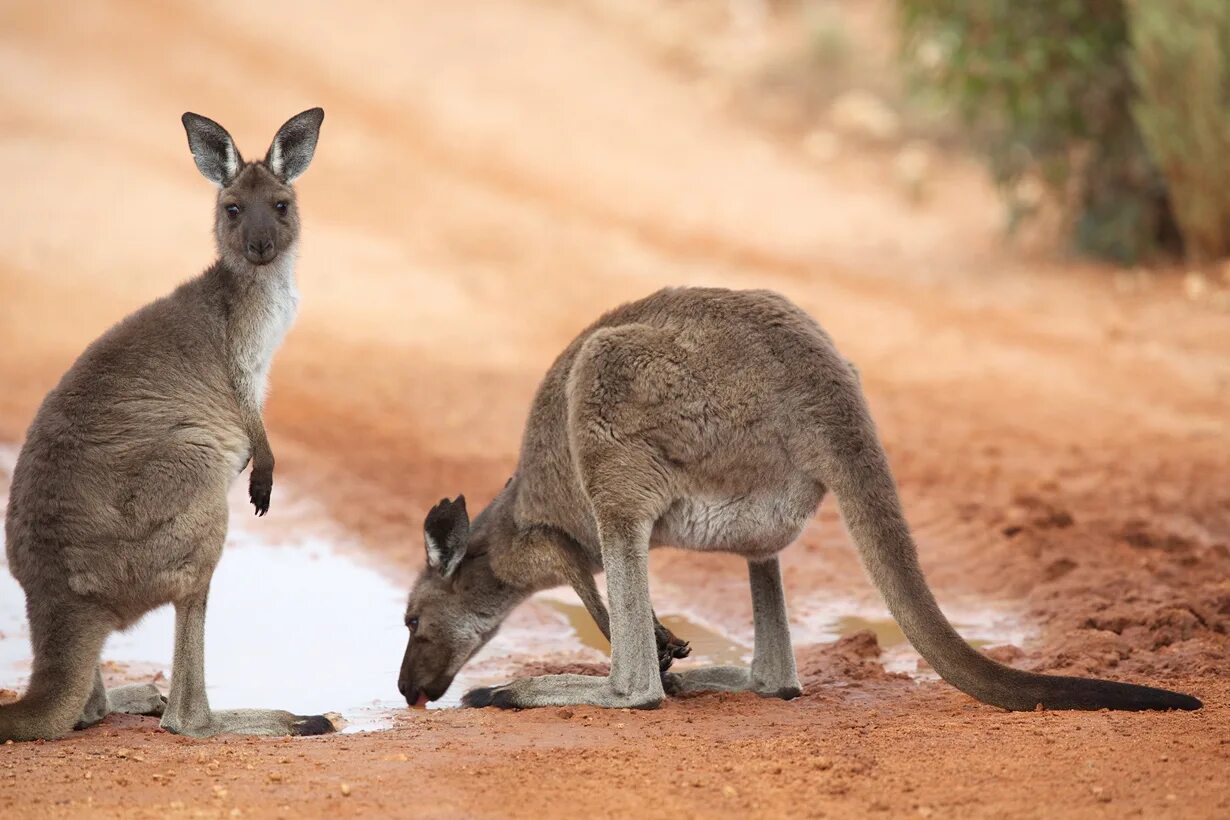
x: 260, y: 489
x: 670, y: 647
x: 669, y: 652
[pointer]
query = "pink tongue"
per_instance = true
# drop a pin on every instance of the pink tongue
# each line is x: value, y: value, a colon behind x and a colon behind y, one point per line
x: 421, y: 701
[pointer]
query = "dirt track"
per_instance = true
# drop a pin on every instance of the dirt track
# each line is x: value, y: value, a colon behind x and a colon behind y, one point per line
x: 493, y: 175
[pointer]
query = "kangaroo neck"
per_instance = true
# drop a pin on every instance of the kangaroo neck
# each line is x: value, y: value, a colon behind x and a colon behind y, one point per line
x: 261, y: 306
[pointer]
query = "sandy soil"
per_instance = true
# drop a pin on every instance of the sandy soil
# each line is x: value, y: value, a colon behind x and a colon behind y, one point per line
x: 490, y: 177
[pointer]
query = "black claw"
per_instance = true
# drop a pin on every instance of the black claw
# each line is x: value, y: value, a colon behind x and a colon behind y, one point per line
x: 260, y: 489
x: 669, y: 649
x: 313, y: 725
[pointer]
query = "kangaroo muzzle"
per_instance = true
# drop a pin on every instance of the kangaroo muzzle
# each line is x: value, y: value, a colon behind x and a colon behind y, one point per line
x: 260, y: 251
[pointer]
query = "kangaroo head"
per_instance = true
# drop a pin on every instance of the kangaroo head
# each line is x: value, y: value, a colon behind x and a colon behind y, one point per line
x: 256, y: 218
x: 457, y: 604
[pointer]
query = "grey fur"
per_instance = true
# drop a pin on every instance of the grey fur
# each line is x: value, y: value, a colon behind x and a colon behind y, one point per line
x: 118, y: 500
x: 710, y: 420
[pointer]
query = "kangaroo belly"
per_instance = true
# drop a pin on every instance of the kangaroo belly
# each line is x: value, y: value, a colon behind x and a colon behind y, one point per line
x: 759, y: 524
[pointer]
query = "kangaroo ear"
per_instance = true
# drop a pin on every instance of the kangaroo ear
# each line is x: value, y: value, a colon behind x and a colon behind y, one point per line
x: 294, y: 144
x: 212, y: 148
x: 447, y: 534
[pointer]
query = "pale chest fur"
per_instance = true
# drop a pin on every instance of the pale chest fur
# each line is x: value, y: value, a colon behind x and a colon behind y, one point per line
x: 258, y: 327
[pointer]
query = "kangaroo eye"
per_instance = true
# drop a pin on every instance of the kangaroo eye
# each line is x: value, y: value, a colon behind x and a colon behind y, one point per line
x: 281, y: 206
x: 233, y: 210
x: 413, y: 624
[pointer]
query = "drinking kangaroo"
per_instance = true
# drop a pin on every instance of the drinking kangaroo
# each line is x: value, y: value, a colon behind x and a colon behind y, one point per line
x: 118, y: 501
x: 709, y: 420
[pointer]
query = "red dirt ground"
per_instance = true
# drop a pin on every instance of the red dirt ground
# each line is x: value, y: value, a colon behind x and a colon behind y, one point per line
x: 490, y: 177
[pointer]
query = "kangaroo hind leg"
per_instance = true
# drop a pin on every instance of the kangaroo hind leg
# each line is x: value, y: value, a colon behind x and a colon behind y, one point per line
x: 619, y: 376
x: 187, y: 710
x: 131, y: 699
x: 670, y: 646
x: 67, y: 636
x: 772, y: 673
x: 635, y: 681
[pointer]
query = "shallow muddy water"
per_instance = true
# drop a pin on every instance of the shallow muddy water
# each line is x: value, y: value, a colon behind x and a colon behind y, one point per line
x: 714, y: 645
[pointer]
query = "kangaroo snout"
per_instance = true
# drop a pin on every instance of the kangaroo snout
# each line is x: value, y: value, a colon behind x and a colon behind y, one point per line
x: 419, y: 697
x: 413, y: 695
x: 420, y: 682
x: 260, y: 251
x: 408, y: 690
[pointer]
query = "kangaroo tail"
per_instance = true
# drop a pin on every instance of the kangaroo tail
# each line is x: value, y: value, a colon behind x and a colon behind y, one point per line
x: 67, y: 641
x: 856, y: 470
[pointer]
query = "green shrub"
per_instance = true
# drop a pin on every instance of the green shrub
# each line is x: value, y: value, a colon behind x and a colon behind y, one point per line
x: 1181, y: 63
x: 1047, y: 88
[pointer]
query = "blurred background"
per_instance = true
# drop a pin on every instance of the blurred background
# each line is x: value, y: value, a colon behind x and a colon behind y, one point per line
x: 1014, y: 217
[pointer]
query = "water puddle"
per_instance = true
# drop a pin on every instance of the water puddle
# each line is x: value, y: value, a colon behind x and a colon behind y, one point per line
x: 981, y: 626
x: 713, y: 645
x: 708, y: 645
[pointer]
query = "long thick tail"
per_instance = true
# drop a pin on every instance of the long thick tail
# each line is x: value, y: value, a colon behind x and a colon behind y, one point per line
x: 67, y: 643
x: 857, y: 472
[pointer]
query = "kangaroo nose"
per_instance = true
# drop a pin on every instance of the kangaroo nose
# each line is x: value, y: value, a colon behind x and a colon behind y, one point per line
x: 260, y: 250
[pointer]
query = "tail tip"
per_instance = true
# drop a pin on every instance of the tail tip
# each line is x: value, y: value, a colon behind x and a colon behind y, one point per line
x: 1187, y: 703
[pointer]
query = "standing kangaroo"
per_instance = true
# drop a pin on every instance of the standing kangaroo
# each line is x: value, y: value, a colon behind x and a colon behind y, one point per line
x: 118, y: 501
x: 709, y: 420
